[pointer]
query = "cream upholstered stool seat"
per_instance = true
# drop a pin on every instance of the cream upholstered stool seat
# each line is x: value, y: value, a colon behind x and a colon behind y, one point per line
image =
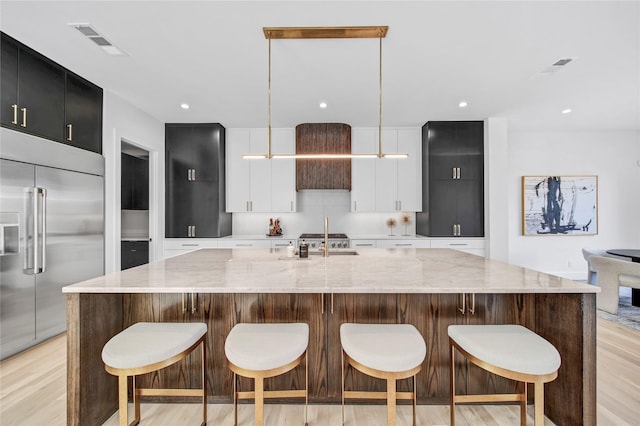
x: 145, y: 347
x: 259, y: 351
x: 510, y: 351
x: 385, y: 351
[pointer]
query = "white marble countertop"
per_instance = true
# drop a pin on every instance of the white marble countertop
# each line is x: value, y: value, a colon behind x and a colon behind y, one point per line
x: 371, y: 271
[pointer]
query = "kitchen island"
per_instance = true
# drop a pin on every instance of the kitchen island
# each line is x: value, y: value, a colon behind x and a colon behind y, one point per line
x: 429, y: 288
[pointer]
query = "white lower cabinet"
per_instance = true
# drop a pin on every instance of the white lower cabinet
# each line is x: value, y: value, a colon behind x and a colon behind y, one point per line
x: 403, y: 243
x: 358, y: 243
x: 176, y: 246
x: 473, y: 246
x: 230, y: 243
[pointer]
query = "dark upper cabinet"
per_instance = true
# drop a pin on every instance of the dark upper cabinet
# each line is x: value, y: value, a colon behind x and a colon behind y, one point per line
x: 453, y: 180
x: 134, y: 188
x: 83, y: 114
x: 42, y: 98
x: 195, y: 181
x: 34, y: 101
x: 455, y: 147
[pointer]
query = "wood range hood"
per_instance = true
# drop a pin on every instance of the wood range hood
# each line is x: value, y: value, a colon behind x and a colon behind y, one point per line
x: 323, y: 138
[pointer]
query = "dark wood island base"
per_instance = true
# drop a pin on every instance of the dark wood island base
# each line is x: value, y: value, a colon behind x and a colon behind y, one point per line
x: 567, y: 320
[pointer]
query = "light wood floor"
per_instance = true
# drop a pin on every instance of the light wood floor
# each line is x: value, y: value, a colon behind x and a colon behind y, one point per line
x: 33, y: 393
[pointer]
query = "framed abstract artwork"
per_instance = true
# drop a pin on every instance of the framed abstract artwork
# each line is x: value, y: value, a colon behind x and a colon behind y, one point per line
x: 559, y: 205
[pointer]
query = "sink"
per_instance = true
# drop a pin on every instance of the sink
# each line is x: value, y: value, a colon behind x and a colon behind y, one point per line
x: 335, y: 253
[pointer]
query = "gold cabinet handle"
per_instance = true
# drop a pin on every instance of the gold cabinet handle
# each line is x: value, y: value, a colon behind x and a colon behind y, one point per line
x: 69, y: 132
x: 24, y: 117
x: 463, y: 307
x: 472, y: 308
x: 194, y: 308
x: 184, y: 305
x: 15, y: 114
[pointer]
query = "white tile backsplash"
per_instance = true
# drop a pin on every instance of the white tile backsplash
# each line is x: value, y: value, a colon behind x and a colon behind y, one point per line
x: 313, y: 206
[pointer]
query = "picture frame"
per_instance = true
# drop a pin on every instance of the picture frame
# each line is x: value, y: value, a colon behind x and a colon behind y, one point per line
x: 560, y: 205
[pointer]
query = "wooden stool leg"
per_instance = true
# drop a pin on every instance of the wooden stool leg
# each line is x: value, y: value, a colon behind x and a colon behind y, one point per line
x: 523, y: 406
x: 415, y: 397
x: 136, y: 402
x: 391, y: 402
x: 122, y: 400
x: 204, y: 382
x: 235, y: 399
x: 452, y: 352
x: 259, y: 401
x: 342, y: 370
x: 306, y: 390
x: 538, y: 404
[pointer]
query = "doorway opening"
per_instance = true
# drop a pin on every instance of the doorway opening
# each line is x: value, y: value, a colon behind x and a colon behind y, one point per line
x: 134, y: 206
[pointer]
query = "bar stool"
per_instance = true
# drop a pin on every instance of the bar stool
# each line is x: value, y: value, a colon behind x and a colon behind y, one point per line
x: 385, y: 351
x: 259, y: 351
x: 510, y: 351
x: 145, y: 347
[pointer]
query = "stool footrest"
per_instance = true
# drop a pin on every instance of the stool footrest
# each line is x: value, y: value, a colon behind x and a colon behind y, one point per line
x: 499, y: 397
x: 169, y: 392
x: 274, y: 394
x: 376, y: 395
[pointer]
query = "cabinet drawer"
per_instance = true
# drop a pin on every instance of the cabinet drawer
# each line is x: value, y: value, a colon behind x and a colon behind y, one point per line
x: 245, y: 244
x: 283, y: 243
x: 403, y: 244
x: 458, y: 244
x: 189, y: 244
x: 363, y: 244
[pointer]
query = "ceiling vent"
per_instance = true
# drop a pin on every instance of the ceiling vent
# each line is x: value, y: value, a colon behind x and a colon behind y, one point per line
x: 88, y: 31
x: 552, y: 69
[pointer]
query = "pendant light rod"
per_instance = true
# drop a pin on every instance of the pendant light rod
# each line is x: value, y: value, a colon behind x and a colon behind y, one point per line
x: 380, y: 103
x: 324, y: 32
x: 269, y: 102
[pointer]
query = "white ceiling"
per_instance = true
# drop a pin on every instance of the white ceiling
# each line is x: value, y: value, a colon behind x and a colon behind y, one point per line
x: 213, y: 55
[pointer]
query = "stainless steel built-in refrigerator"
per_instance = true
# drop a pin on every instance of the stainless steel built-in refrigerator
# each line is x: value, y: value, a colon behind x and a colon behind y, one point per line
x: 51, y: 234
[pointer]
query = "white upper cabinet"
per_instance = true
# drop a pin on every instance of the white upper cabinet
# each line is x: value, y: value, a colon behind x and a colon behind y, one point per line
x: 399, y: 181
x: 283, y: 171
x: 260, y: 185
x: 247, y: 180
x: 363, y: 171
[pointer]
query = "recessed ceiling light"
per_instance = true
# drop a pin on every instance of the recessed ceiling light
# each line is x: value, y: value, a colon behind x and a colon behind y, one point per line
x: 323, y: 104
x: 566, y: 110
x: 184, y: 106
x: 463, y: 104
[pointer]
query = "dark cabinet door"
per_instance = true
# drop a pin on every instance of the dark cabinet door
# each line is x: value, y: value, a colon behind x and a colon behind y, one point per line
x: 134, y: 188
x: 83, y: 110
x: 469, y: 149
x: 178, y: 152
x: 9, y: 83
x: 178, y: 207
x: 41, y: 96
x: 140, y: 184
x: 470, y: 208
x: 441, y: 149
x: 133, y: 253
x: 443, y: 202
x: 126, y: 184
x: 205, y: 154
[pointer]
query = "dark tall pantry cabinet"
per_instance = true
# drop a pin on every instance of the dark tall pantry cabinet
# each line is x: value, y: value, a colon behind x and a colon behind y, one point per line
x: 453, y: 179
x: 195, y: 181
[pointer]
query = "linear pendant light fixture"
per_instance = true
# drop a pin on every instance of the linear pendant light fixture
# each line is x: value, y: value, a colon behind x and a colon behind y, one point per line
x: 315, y: 33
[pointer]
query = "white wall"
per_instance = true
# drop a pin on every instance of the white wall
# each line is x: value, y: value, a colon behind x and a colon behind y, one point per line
x: 122, y: 121
x: 613, y: 156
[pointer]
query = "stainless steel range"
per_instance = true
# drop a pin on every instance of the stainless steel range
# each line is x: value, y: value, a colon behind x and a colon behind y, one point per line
x: 316, y: 240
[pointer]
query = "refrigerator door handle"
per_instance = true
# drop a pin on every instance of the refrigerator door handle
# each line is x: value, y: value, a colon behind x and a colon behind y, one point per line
x: 31, y: 226
x: 42, y: 217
